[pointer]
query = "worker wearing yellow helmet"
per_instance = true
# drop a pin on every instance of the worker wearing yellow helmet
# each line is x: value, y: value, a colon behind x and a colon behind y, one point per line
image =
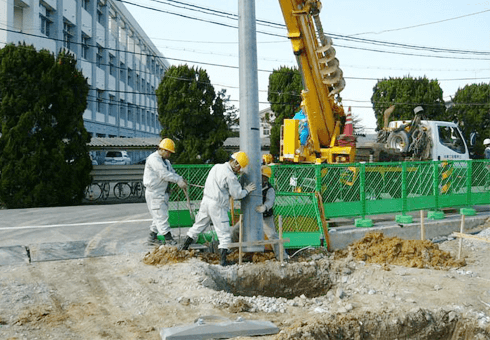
x: 268, y: 198
x: 157, y: 175
x: 221, y: 183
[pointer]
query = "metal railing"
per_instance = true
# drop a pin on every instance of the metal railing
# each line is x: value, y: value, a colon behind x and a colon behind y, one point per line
x: 119, y: 181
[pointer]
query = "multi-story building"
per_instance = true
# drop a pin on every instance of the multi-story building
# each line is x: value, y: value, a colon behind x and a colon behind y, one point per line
x: 122, y: 65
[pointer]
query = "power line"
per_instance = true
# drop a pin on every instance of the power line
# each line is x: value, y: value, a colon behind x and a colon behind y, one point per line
x: 337, y: 36
x: 425, y: 24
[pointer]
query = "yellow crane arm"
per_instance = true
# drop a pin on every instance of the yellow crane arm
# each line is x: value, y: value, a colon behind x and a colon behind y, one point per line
x: 322, y: 77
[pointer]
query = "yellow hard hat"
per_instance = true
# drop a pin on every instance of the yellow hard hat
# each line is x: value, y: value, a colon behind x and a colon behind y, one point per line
x: 267, y: 159
x: 167, y: 144
x: 241, y: 157
x: 266, y: 171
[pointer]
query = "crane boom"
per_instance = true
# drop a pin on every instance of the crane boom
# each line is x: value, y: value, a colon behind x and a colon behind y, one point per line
x: 322, y: 80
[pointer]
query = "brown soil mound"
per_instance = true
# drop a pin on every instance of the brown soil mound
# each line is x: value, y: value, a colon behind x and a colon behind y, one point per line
x: 376, y: 248
x: 167, y: 255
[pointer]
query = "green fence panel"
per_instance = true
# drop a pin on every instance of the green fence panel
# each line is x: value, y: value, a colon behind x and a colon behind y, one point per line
x: 420, y: 194
x: 452, y: 183
x: 301, y: 221
x: 480, y: 182
x: 350, y: 190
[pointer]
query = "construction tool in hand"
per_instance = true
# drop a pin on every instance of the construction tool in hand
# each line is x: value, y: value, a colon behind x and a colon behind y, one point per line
x: 186, y: 191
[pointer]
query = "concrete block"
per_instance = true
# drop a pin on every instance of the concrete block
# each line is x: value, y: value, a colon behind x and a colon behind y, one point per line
x: 13, y: 255
x: 57, y: 251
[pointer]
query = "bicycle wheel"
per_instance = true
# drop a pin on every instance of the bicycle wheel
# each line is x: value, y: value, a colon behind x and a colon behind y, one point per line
x: 105, y: 187
x: 138, y: 189
x: 122, y: 190
x: 93, y: 192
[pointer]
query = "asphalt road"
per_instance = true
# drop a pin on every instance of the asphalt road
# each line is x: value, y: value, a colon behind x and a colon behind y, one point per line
x: 121, y: 223
x: 64, y: 224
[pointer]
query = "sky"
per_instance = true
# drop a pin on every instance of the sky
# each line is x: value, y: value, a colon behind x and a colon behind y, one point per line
x: 391, y: 39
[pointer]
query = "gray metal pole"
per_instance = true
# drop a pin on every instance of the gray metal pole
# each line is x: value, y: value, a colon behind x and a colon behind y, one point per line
x: 250, y: 122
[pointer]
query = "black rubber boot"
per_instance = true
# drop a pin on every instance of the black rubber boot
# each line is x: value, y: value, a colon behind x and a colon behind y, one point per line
x: 153, y: 239
x: 169, y: 240
x: 188, y: 241
x: 223, y: 260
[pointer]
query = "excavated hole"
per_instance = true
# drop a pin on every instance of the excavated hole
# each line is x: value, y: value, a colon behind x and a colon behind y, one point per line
x: 270, y: 279
x: 420, y: 325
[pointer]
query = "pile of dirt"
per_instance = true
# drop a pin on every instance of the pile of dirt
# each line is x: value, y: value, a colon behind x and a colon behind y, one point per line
x: 418, y: 324
x: 167, y: 255
x: 164, y: 255
x: 376, y: 248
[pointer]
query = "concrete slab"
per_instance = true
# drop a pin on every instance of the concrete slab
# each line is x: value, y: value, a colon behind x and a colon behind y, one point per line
x: 341, y: 237
x: 13, y: 255
x: 203, y: 329
x: 57, y: 251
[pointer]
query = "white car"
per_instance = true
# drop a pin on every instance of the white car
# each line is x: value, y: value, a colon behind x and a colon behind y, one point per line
x: 117, y: 158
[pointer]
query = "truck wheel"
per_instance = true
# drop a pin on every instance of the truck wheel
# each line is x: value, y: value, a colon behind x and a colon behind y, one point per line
x: 398, y: 140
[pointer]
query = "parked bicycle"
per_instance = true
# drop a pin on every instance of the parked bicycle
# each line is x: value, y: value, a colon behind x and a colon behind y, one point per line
x: 96, y: 191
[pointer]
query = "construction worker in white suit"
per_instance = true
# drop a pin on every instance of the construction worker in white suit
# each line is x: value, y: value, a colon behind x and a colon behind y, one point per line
x: 157, y: 175
x: 221, y: 183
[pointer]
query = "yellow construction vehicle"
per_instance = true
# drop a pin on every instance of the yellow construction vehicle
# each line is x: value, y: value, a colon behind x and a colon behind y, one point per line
x: 330, y: 137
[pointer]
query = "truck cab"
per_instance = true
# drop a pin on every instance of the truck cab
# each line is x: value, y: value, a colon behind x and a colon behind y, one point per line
x: 446, y: 139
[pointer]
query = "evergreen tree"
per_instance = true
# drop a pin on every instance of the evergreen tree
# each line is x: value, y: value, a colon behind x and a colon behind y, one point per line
x: 44, y: 158
x: 406, y: 94
x: 285, y: 85
x: 472, y: 110
x: 194, y: 116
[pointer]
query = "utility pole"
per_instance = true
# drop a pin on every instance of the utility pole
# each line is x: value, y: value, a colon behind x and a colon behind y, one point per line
x: 250, y: 122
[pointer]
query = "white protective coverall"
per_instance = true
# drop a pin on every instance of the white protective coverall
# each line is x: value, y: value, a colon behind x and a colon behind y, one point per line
x: 156, y: 177
x: 220, y: 184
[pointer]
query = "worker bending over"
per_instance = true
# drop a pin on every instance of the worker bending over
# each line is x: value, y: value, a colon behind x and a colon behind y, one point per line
x: 156, y: 178
x: 221, y: 183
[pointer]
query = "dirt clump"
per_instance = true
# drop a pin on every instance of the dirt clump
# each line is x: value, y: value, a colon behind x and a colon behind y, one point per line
x: 167, y: 255
x: 376, y: 248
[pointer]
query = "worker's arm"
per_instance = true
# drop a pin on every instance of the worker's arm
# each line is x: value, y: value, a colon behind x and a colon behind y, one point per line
x: 235, y: 188
x: 270, y: 198
x: 166, y: 172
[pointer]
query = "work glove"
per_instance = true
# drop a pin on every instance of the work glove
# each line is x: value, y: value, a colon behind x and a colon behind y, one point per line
x: 261, y: 208
x: 182, y: 184
x: 250, y: 187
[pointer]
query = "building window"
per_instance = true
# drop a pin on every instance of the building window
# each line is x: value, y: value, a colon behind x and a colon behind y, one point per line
x: 45, y: 15
x: 100, y: 100
x: 100, y: 14
x: 113, y: 25
x: 86, y: 4
x: 122, y: 109
x: 112, y: 66
x: 67, y: 35
x: 121, y: 72
x: 100, y: 55
x: 130, y: 80
x: 137, y: 87
x: 112, y: 105
x: 85, y: 46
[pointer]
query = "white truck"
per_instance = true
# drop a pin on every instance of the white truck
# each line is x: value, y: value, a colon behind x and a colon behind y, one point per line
x: 416, y: 140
